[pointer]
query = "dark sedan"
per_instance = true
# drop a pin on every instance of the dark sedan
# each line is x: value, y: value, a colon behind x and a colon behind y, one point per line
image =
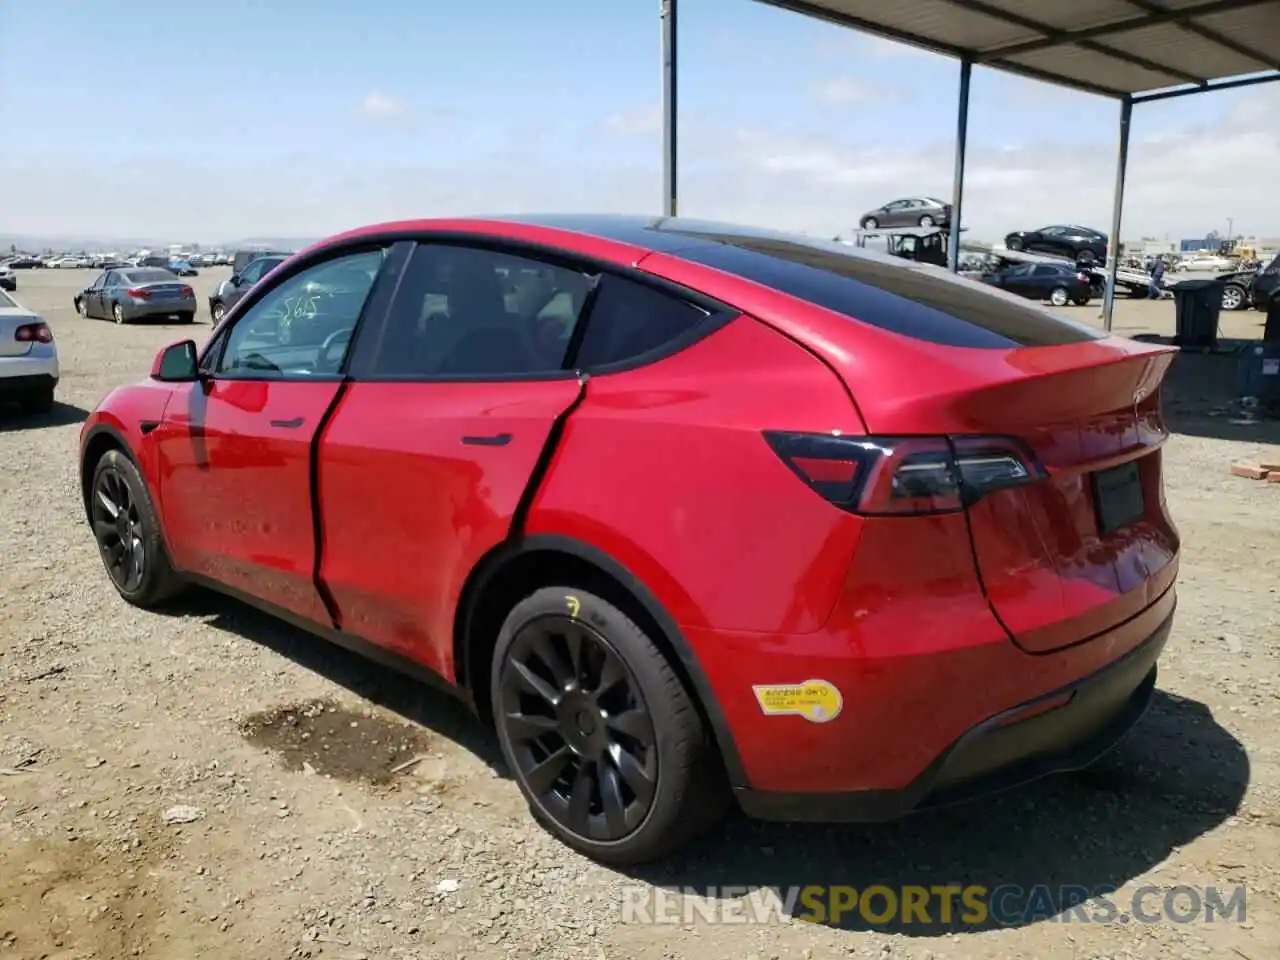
x: 1059, y: 284
x: 1081, y: 244
x: 911, y: 212
x: 124, y: 295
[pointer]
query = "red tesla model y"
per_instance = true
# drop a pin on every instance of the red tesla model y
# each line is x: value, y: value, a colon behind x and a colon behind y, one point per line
x: 691, y: 512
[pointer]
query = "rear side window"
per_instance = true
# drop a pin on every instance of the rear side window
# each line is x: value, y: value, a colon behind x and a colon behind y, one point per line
x: 630, y: 320
x: 927, y: 303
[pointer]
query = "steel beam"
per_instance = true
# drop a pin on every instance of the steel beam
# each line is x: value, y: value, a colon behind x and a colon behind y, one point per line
x: 957, y: 184
x: 1117, y: 209
x: 670, y: 112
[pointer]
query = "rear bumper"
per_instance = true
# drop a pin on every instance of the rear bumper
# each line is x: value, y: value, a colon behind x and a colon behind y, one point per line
x: 1065, y: 729
x: 27, y: 383
x: 162, y: 308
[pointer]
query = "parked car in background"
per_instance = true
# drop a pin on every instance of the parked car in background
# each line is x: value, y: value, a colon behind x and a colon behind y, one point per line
x: 182, y: 268
x: 1204, y: 263
x: 28, y: 357
x: 133, y: 293
x: 1060, y: 284
x: 8, y: 280
x: 237, y: 285
x: 911, y: 212
x: 26, y: 263
x: 1082, y: 244
x: 483, y: 460
x: 242, y: 258
x: 66, y: 263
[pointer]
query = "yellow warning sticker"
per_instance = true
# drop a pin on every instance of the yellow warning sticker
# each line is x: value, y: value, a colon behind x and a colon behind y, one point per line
x: 816, y: 700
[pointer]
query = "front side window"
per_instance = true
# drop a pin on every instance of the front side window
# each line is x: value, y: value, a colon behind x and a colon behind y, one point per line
x: 302, y: 327
x: 472, y: 313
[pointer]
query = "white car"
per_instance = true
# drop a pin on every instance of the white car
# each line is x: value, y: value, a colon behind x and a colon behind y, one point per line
x: 28, y: 357
x: 1207, y: 264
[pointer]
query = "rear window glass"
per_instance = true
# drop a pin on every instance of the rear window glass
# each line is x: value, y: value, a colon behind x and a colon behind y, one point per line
x: 6, y: 301
x: 916, y: 300
x: 148, y: 276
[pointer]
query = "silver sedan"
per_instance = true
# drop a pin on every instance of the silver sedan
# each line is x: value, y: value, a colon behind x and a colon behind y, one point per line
x: 137, y: 292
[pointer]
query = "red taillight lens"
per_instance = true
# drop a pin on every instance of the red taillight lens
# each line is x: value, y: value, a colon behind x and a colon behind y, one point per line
x: 188, y: 292
x: 138, y: 293
x: 33, y: 333
x: 1083, y: 276
x: 896, y: 476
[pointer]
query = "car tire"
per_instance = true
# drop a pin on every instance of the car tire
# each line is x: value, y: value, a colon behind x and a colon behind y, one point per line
x: 1234, y: 297
x: 187, y: 316
x: 1086, y: 258
x: 37, y: 401
x: 117, y: 479
x: 564, y: 718
x: 1014, y: 243
x: 1059, y: 296
x: 216, y: 311
x: 926, y: 222
x: 117, y: 313
x: 871, y: 223
x: 1081, y: 301
x: 82, y: 308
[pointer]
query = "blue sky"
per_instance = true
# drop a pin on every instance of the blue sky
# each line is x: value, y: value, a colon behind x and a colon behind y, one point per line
x: 305, y: 116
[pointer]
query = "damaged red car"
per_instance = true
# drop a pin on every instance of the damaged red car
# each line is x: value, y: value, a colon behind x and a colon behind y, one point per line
x: 694, y: 514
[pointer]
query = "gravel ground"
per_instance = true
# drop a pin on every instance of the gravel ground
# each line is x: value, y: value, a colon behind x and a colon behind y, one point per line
x: 211, y: 783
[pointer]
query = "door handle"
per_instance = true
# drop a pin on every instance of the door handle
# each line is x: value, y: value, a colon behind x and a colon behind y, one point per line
x: 288, y: 424
x: 492, y: 440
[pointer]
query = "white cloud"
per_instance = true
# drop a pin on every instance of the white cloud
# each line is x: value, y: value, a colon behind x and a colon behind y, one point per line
x: 842, y: 90
x: 380, y: 106
x: 645, y: 121
x: 1183, y: 180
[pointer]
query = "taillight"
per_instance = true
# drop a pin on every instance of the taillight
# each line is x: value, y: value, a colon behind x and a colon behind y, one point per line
x: 187, y: 292
x: 894, y: 476
x: 33, y: 333
x: 1083, y: 276
x: 138, y: 293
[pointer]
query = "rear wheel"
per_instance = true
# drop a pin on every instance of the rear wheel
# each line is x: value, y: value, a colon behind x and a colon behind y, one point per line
x: 37, y: 401
x: 117, y: 313
x: 1086, y: 258
x: 128, y: 533
x: 1233, y: 297
x: 602, y: 737
x: 1059, y: 296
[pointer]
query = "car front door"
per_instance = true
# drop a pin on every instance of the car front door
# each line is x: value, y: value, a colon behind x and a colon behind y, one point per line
x: 234, y: 448
x: 429, y: 453
x: 93, y: 296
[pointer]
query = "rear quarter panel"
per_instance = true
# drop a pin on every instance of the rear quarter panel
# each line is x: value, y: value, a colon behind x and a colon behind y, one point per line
x: 665, y: 469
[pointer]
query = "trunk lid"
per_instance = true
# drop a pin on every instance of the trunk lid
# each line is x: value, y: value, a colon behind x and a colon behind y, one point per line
x: 162, y: 290
x: 1090, y: 544
x: 11, y: 318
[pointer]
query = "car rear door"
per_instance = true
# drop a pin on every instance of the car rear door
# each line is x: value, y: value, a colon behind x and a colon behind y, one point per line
x: 234, y: 449
x: 435, y: 444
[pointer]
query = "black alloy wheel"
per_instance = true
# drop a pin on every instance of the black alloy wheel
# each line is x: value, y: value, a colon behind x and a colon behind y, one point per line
x: 117, y: 526
x: 579, y: 730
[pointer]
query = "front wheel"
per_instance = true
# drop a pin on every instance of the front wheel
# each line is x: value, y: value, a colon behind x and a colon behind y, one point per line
x: 216, y: 311
x: 128, y: 533
x: 1014, y: 243
x: 1059, y: 297
x: 81, y: 308
x: 602, y: 737
x: 1233, y: 297
x: 870, y: 223
x: 926, y: 222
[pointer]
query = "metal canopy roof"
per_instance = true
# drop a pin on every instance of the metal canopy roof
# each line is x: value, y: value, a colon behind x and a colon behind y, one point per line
x: 1113, y: 48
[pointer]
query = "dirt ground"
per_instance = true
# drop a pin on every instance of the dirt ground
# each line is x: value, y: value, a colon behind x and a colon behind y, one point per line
x: 211, y: 783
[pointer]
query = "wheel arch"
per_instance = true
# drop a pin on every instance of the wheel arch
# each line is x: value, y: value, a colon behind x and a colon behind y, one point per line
x: 101, y: 438
x: 517, y: 567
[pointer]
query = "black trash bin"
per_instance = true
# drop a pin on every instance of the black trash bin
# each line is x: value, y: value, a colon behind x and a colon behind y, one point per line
x: 1198, y: 303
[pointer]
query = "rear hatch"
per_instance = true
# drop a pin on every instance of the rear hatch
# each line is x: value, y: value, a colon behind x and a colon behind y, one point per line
x: 1075, y: 539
